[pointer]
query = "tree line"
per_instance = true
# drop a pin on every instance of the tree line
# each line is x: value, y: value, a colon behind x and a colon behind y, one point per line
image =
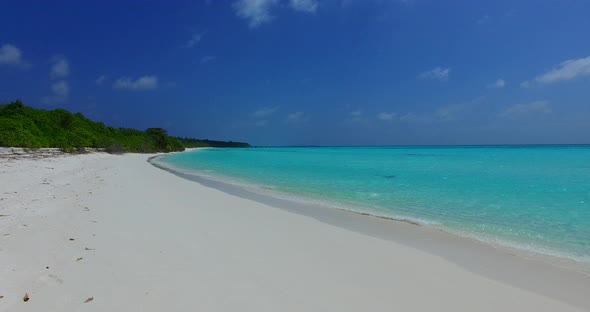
x: 190, y: 142
x: 24, y: 126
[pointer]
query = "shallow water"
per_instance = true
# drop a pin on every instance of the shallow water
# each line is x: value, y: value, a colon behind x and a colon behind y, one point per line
x: 534, y: 198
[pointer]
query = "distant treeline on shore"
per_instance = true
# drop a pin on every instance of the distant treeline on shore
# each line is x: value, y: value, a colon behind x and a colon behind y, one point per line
x: 23, y: 126
x: 190, y: 142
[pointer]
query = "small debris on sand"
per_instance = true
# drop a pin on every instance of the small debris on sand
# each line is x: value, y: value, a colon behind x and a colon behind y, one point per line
x: 89, y: 299
x: 80, y: 258
x: 88, y: 248
x: 71, y: 239
x: 26, y: 297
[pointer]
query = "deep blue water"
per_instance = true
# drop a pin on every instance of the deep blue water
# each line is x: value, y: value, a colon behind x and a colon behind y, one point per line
x: 535, y: 198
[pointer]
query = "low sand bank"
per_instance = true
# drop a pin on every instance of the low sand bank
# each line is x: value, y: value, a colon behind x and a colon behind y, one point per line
x: 137, y: 238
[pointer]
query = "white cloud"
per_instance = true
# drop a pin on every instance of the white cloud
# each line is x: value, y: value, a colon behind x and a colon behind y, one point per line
x: 526, y: 84
x: 567, y: 70
x: 257, y: 12
x: 357, y: 116
x: 61, y: 88
x: 60, y: 68
x: 309, y: 6
x: 141, y: 83
x: 408, y: 117
x: 100, y: 80
x: 194, y: 40
x: 500, y: 83
x: 518, y: 110
x: 60, y: 91
x: 265, y: 111
x: 483, y: 20
x: 416, y: 118
x: 356, y: 113
x: 297, y: 118
x: 386, y: 116
x: 447, y: 113
x: 11, y: 55
x: 207, y: 59
x: 437, y: 73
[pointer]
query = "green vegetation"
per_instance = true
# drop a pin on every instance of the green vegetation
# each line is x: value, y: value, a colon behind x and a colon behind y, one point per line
x: 190, y: 142
x: 23, y: 126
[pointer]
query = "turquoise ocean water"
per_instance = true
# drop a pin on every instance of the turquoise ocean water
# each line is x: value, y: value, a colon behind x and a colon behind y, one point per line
x: 535, y: 198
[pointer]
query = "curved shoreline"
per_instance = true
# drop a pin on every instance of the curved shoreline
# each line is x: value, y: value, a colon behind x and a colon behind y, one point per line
x: 517, y: 267
x: 225, y: 183
x: 132, y: 236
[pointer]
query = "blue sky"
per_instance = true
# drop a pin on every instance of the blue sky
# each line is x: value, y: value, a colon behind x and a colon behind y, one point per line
x: 309, y: 72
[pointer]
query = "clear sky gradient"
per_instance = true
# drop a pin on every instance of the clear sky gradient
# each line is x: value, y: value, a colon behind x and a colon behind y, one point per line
x: 309, y: 72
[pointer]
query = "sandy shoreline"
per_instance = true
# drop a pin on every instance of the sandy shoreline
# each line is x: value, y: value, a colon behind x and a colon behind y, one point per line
x: 151, y: 241
x: 311, y: 208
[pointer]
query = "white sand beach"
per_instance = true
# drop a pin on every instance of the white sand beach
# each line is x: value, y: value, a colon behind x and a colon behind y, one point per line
x: 134, y: 237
